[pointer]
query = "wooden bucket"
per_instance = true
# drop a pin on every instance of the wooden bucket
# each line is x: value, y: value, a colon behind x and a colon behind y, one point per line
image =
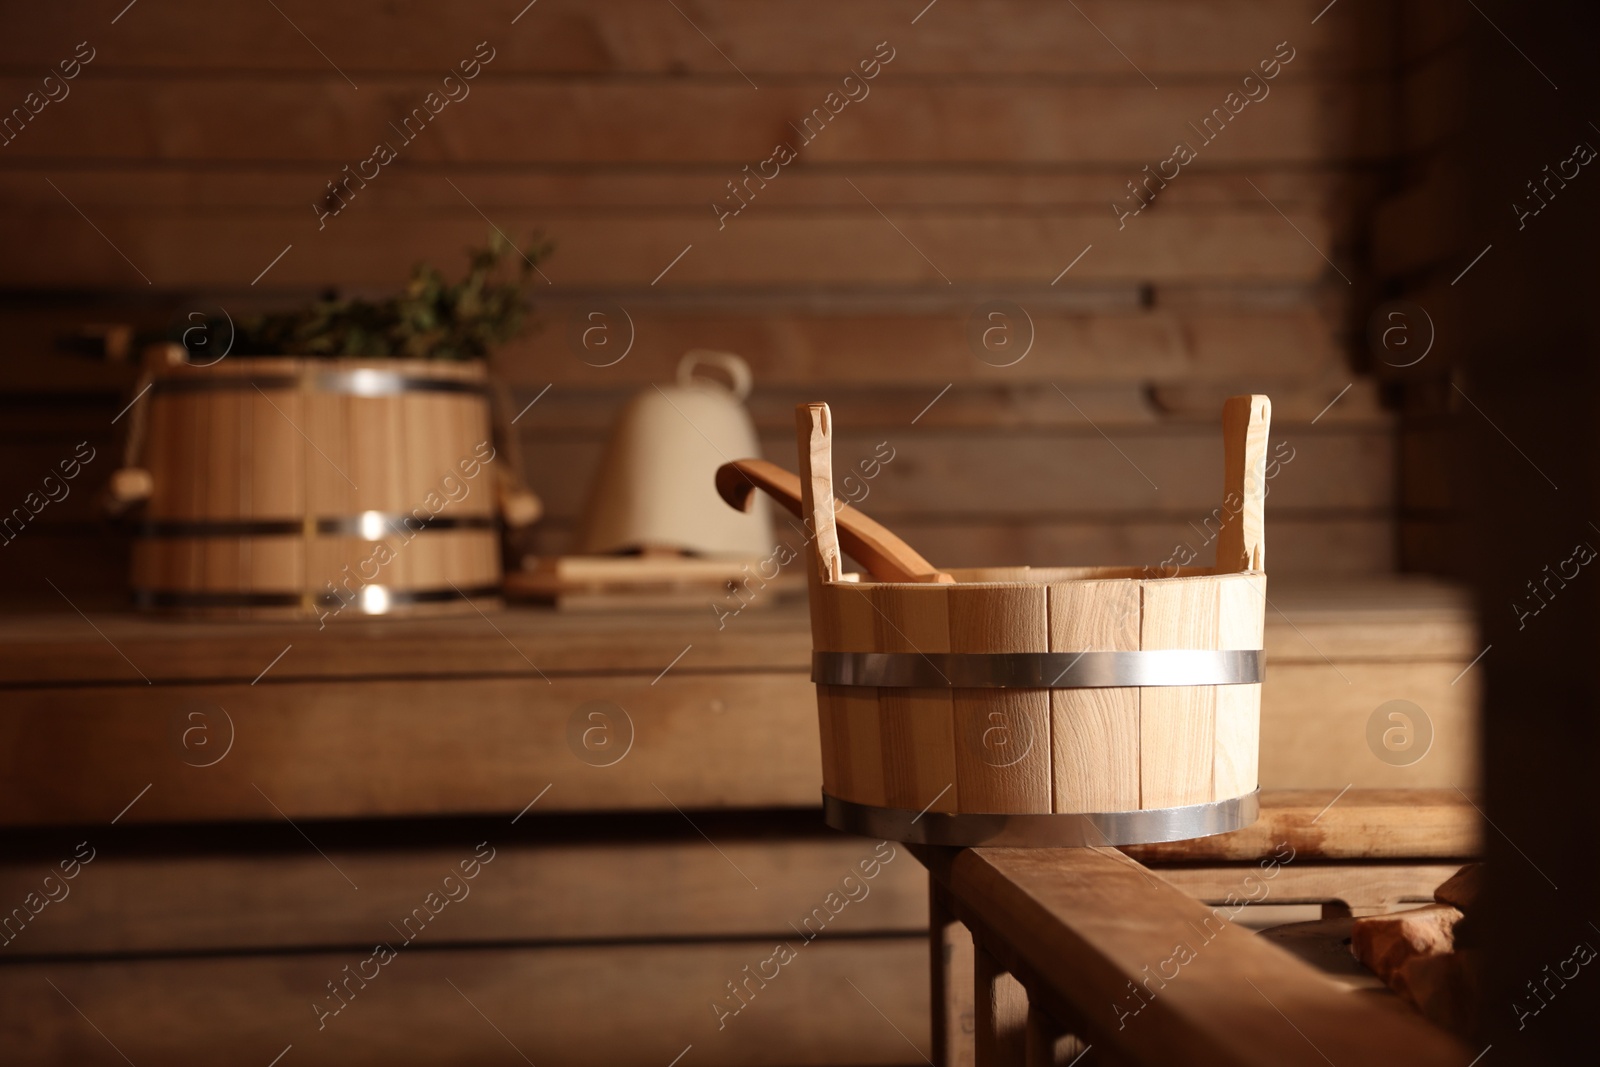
x: 289, y: 486
x: 1043, y: 706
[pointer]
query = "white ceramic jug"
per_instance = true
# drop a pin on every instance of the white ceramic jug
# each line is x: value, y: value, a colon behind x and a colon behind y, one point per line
x: 656, y: 485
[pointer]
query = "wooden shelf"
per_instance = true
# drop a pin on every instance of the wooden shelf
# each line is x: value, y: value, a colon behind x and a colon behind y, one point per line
x: 1365, y: 620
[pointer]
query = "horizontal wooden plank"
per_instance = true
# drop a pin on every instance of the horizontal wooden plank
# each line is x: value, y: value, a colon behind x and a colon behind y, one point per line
x: 942, y: 466
x: 1310, y: 396
x: 373, y: 748
x: 1307, y: 546
x: 1365, y: 889
x: 615, y: 1006
x: 1311, y: 546
x: 1333, y: 501
x: 181, y: 186
x: 333, y: 749
x: 828, y: 354
x: 1333, y: 824
x: 983, y: 406
x: 719, y: 37
x: 61, y: 646
x: 809, y: 342
x: 91, y: 564
x: 654, y: 888
x: 838, y: 248
x: 1151, y: 470
x: 590, y: 121
x: 1369, y: 620
x: 1344, y: 467
x: 1397, y: 617
x: 1325, y: 725
x: 1079, y: 927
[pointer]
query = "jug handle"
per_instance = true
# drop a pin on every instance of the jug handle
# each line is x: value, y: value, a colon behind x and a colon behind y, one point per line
x: 737, y: 370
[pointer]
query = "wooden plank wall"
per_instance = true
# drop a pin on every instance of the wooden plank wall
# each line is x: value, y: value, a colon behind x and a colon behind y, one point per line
x: 191, y: 159
x: 1420, y: 252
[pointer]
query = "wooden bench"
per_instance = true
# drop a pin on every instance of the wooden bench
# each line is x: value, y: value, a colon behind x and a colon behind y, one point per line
x: 1041, y: 956
x: 619, y: 906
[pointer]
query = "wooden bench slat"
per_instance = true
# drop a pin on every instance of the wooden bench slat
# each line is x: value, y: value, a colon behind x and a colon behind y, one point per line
x: 1367, y: 621
x: 1369, y: 824
x: 395, y: 747
x: 582, y: 1005
x: 528, y: 893
x: 1079, y: 925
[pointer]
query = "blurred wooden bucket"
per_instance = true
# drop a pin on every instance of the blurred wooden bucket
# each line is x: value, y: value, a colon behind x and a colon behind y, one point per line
x: 1043, y: 706
x: 284, y: 485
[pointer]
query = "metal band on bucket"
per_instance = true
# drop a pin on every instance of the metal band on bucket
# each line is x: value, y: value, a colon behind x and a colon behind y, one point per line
x: 361, y: 381
x: 1059, y: 830
x: 179, y: 598
x: 372, y: 525
x: 1038, y: 670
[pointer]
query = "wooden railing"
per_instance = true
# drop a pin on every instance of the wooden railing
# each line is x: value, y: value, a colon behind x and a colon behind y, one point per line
x: 1043, y: 956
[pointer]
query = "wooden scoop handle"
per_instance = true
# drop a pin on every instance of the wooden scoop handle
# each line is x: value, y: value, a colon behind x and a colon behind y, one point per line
x: 881, y: 550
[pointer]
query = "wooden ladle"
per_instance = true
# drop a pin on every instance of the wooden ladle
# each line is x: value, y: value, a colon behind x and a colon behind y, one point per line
x: 881, y: 550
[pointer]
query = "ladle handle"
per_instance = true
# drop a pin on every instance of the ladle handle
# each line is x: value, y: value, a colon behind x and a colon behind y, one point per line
x: 879, y: 549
